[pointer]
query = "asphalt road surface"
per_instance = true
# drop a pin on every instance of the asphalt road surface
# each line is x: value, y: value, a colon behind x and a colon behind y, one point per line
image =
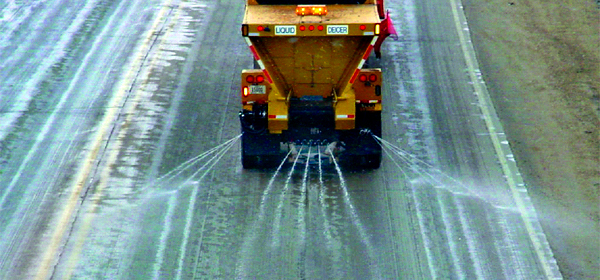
x: 120, y: 157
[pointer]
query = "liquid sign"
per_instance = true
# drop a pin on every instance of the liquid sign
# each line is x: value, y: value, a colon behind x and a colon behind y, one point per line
x: 285, y: 30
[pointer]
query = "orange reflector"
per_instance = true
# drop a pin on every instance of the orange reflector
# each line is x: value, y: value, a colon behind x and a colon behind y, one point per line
x: 377, y: 29
x: 245, y: 91
x: 311, y: 10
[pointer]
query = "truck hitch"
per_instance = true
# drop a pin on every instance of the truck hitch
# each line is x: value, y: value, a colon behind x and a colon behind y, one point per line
x: 255, y: 120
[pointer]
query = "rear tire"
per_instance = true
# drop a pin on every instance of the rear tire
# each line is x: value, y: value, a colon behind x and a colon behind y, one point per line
x: 249, y: 162
x: 372, y: 161
x: 360, y: 162
x: 260, y: 150
x: 362, y: 150
x: 259, y: 162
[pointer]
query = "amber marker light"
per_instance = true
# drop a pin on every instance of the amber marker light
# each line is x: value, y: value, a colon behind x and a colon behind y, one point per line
x: 311, y: 10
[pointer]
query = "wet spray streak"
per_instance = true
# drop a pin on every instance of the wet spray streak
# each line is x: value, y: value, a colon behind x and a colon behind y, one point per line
x: 301, y: 223
x: 190, y: 213
x: 471, y: 240
x: 426, y: 239
x: 191, y: 162
x: 357, y: 223
x: 510, y: 262
x: 406, y: 158
x: 241, y: 269
x: 160, y: 253
x: 427, y: 176
x: 449, y: 233
x: 161, y: 182
x: 279, y: 210
x: 327, y: 226
x: 508, y: 271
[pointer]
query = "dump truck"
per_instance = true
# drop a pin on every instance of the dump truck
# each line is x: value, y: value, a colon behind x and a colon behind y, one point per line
x: 310, y: 93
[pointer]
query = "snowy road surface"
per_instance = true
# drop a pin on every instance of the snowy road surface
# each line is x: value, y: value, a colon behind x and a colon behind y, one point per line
x: 119, y: 157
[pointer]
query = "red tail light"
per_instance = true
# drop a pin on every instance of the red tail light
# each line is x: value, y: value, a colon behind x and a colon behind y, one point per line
x: 363, y: 27
x: 362, y: 78
x: 260, y: 79
x: 372, y: 78
x: 250, y: 79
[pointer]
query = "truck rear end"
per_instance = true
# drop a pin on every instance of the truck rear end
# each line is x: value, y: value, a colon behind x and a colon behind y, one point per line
x: 309, y: 86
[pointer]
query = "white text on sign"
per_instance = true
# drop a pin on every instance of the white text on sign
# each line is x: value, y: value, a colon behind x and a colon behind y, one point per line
x: 285, y: 30
x: 337, y: 29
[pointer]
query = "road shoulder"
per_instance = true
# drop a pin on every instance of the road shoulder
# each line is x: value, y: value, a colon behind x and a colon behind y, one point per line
x: 540, y: 62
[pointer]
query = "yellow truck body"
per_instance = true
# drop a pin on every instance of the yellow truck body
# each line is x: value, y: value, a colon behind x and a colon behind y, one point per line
x: 309, y: 80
